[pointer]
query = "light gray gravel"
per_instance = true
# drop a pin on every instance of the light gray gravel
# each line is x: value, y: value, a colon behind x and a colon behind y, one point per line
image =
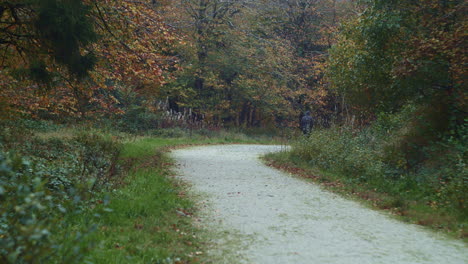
x: 282, y: 219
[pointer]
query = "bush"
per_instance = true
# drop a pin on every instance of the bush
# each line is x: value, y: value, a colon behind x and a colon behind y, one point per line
x: 339, y: 150
x: 446, y: 170
x: 30, y: 217
x: 98, y: 156
x: 138, y: 119
x: 175, y: 132
x: 42, y: 183
x: 374, y: 155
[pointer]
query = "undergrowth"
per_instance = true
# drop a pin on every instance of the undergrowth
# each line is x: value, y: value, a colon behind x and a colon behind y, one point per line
x: 44, y: 180
x: 75, y: 194
x: 427, y: 185
x: 149, y: 218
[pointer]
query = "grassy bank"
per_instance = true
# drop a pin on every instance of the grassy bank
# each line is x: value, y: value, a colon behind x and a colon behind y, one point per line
x: 77, y: 194
x: 148, y: 218
x: 363, y: 165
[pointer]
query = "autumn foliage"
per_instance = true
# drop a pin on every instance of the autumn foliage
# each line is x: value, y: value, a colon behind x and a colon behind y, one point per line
x: 233, y: 63
x: 126, y: 43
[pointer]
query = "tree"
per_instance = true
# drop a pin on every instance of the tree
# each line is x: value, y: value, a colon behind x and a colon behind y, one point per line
x: 43, y: 44
x: 308, y: 26
x: 253, y: 63
x: 405, y: 53
x: 44, y: 35
x: 85, y: 50
x: 230, y: 74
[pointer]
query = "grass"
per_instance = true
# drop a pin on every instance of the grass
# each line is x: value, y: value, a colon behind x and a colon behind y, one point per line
x: 139, y: 222
x: 148, y: 218
x: 402, y: 206
x: 143, y: 226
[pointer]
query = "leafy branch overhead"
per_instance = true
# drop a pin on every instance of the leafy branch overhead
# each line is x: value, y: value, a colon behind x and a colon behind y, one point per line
x: 82, y: 49
x: 44, y: 34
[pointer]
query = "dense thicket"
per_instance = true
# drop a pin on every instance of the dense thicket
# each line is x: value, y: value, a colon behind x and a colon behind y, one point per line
x: 388, y: 77
x: 398, y: 68
x: 254, y: 63
x: 44, y: 181
x: 401, y: 55
x: 401, y: 52
x: 236, y: 62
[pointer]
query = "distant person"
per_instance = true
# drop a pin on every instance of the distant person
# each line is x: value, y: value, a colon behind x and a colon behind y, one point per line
x: 306, y: 123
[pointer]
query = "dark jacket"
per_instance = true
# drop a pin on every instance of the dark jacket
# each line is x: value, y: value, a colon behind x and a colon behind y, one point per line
x: 307, y: 123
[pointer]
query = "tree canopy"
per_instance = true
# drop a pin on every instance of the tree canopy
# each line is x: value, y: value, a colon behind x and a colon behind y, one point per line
x: 400, y: 52
x: 40, y: 33
x: 242, y: 63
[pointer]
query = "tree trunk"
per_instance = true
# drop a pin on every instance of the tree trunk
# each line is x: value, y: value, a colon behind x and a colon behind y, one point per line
x: 251, y: 114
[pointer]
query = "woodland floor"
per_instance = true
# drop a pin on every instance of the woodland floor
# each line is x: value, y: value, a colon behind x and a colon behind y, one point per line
x: 256, y: 214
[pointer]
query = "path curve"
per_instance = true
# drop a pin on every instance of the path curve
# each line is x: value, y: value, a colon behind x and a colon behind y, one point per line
x: 283, y: 219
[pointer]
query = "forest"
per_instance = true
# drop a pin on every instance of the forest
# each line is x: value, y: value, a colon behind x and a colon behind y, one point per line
x: 94, y: 93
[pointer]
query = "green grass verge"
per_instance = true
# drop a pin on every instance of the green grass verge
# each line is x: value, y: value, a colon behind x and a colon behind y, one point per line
x: 403, y: 206
x: 148, y: 218
x: 141, y: 222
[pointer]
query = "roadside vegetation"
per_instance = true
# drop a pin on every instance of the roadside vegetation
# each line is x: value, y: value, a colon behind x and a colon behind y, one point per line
x: 80, y: 194
x: 428, y: 188
x: 92, y: 93
x: 401, y: 138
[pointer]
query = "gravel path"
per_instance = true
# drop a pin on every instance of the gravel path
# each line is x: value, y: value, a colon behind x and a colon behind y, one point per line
x: 282, y: 219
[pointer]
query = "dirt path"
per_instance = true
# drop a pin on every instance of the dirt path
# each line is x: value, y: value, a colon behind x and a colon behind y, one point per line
x: 282, y: 219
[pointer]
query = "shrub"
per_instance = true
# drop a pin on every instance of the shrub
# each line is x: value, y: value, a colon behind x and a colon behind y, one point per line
x: 447, y: 173
x: 30, y: 217
x: 138, y: 119
x: 175, y: 132
x: 98, y: 156
x: 44, y: 181
x: 339, y: 150
x: 374, y: 155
